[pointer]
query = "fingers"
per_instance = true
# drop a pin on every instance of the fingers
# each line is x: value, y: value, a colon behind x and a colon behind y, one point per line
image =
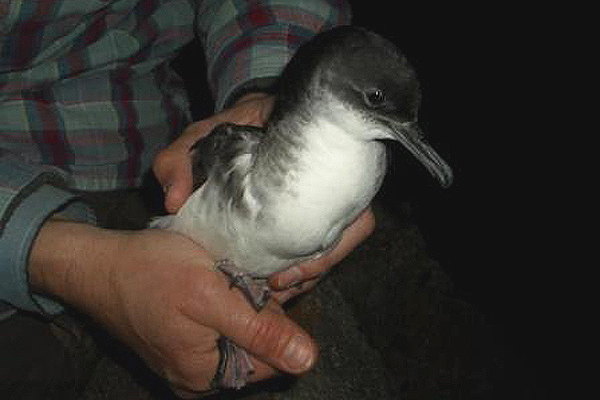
x: 309, y: 272
x: 174, y: 173
x: 269, y: 335
x: 189, y: 390
x: 273, y: 337
x: 282, y: 296
x: 172, y: 166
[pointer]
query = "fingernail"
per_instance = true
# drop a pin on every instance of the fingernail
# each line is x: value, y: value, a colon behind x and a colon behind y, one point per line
x: 291, y: 277
x: 299, y: 354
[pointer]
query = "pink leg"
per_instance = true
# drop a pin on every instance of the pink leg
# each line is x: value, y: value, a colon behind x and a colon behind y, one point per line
x: 235, y: 365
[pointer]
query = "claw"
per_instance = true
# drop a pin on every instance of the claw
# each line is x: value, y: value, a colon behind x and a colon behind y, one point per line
x: 235, y: 366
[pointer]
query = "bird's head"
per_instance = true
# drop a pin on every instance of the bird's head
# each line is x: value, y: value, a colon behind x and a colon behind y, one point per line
x: 365, y: 83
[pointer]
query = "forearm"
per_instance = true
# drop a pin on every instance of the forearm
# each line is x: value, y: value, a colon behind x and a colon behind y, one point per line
x: 29, y: 195
x: 69, y: 261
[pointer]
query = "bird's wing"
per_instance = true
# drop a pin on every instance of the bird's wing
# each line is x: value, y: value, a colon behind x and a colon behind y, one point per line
x: 221, y: 150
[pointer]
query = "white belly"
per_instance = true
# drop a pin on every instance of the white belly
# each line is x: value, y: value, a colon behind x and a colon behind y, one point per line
x: 326, y: 194
x: 332, y: 184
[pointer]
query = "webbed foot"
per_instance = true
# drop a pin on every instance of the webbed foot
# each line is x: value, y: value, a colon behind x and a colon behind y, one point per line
x: 255, y: 290
x: 235, y: 366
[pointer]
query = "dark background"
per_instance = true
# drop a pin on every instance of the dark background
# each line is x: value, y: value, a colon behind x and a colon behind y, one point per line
x: 478, y: 71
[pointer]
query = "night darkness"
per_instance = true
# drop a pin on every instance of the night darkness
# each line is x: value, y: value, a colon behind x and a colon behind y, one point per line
x: 473, y: 71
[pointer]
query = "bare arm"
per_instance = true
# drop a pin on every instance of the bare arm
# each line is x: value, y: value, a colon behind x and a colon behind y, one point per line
x: 157, y: 292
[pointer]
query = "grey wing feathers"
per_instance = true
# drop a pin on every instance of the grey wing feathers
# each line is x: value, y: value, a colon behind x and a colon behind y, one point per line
x: 220, y: 148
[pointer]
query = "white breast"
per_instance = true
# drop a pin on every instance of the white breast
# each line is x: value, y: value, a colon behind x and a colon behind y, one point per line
x: 336, y: 177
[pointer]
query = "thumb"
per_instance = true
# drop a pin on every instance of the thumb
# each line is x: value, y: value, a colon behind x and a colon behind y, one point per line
x: 273, y: 338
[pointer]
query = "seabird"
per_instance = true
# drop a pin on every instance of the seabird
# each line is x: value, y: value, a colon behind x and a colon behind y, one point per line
x: 274, y: 196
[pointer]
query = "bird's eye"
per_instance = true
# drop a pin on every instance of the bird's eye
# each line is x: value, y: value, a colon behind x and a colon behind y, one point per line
x: 374, y: 97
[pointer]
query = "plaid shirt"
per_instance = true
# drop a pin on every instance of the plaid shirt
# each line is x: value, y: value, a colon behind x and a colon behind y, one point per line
x: 87, y: 96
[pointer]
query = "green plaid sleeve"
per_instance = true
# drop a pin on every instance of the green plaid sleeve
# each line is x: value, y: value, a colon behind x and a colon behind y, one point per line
x: 29, y: 194
x: 249, y: 41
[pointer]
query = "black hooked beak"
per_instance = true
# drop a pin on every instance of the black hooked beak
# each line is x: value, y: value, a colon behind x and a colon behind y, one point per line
x: 411, y: 136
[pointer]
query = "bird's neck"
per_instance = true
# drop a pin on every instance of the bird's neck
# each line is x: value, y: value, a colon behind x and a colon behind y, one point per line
x: 331, y: 154
x: 312, y: 154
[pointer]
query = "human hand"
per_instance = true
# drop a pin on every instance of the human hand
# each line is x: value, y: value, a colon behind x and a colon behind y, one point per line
x: 157, y: 292
x: 172, y: 166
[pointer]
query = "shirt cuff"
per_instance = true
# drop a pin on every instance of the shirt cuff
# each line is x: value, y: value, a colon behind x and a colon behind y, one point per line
x: 264, y: 85
x: 18, y: 235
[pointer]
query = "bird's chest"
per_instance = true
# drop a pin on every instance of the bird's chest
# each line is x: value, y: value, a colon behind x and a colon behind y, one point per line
x: 330, y: 187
